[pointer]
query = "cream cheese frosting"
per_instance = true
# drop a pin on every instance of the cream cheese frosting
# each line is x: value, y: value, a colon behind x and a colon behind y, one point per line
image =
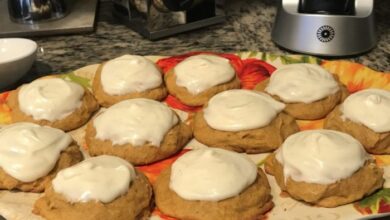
x: 201, y: 72
x: 211, y: 174
x: 237, y: 110
x: 302, y: 83
x: 50, y: 99
x: 135, y: 122
x: 128, y: 74
x: 102, y: 178
x: 370, y: 107
x: 29, y: 151
x: 320, y: 156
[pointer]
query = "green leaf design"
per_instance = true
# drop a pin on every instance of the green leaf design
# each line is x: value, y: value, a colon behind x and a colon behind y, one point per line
x: 261, y: 162
x: 311, y: 59
x: 77, y: 79
x: 372, y: 202
x: 240, y: 54
x: 290, y: 60
x: 305, y: 59
x: 252, y: 54
x: 273, y: 57
x: 285, y: 59
x: 264, y: 56
x: 269, y: 57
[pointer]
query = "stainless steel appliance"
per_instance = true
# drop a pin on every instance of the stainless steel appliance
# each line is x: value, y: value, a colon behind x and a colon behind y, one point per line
x: 325, y: 27
x: 156, y: 19
x: 33, y: 11
x: 29, y: 18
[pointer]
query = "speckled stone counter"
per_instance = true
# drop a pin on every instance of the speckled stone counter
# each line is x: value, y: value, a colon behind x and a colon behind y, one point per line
x: 248, y: 27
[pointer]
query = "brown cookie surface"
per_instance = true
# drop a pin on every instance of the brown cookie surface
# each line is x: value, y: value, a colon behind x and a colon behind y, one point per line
x: 258, y: 140
x: 136, y: 204
x: 68, y: 157
x: 251, y: 203
x: 199, y: 99
x: 373, y: 142
x: 107, y: 100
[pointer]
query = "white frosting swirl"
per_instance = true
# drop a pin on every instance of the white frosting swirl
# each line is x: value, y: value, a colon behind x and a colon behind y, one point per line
x: 29, y: 151
x: 320, y: 156
x: 302, y: 83
x: 201, y: 72
x: 50, y: 99
x: 211, y: 174
x: 129, y: 73
x: 370, y: 107
x: 135, y: 121
x: 102, y: 178
x: 237, y: 110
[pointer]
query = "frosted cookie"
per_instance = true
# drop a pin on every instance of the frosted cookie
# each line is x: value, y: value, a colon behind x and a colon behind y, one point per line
x: 209, y: 184
x: 243, y: 121
x: 140, y: 131
x: 366, y: 116
x: 128, y: 77
x: 309, y: 91
x: 197, y: 78
x: 54, y: 102
x: 325, y: 168
x: 31, y: 155
x: 103, y: 187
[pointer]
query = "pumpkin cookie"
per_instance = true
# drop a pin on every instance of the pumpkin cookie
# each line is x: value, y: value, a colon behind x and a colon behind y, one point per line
x: 309, y: 91
x: 141, y: 131
x: 208, y: 184
x: 128, y: 77
x: 366, y: 116
x: 325, y: 168
x: 98, y: 188
x: 31, y: 155
x: 54, y: 102
x: 243, y: 121
x: 197, y: 78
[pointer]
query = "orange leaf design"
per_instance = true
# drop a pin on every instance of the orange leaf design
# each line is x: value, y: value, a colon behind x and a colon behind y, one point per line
x: 153, y: 170
x: 158, y: 213
x: 308, y: 125
x: 5, y: 116
x: 382, y: 160
x: 173, y: 102
x: 3, y: 97
x: 85, y: 147
x: 168, y: 63
x: 357, y: 76
x: 253, y: 72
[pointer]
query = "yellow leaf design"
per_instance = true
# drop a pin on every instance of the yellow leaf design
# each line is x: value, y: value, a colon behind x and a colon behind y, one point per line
x: 357, y: 76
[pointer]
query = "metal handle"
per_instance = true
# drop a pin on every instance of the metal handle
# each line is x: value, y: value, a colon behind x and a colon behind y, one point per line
x: 31, y: 11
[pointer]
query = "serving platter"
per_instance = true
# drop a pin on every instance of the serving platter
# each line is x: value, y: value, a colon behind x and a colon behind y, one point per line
x: 253, y: 67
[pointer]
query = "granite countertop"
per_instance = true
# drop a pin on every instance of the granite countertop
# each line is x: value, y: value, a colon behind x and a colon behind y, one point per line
x: 248, y: 27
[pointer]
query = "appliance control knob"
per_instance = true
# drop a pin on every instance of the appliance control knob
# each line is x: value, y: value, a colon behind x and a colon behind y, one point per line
x: 325, y: 33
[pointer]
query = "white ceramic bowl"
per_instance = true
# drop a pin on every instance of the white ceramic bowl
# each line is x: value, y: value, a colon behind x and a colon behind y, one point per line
x: 16, y: 58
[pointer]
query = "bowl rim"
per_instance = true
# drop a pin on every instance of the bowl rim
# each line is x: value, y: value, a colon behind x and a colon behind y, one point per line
x: 20, y: 56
